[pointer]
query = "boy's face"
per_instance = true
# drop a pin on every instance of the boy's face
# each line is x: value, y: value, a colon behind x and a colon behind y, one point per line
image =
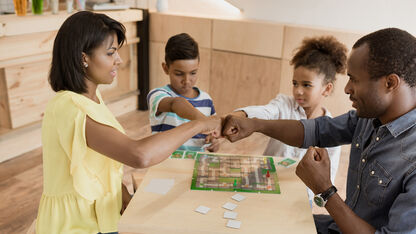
x: 183, y: 76
x: 308, y: 88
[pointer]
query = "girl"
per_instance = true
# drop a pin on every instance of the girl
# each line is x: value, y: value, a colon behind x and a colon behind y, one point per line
x: 316, y: 63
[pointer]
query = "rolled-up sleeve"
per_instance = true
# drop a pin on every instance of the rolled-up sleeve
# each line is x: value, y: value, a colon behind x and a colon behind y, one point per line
x: 328, y: 132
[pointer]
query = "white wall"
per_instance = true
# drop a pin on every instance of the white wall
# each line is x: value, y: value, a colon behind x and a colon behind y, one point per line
x: 355, y: 15
x: 207, y: 8
x: 352, y: 15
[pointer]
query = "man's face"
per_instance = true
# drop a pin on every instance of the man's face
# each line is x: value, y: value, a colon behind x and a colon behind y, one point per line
x: 367, y: 95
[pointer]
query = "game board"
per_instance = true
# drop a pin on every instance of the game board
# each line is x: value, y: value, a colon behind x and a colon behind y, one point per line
x: 234, y: 173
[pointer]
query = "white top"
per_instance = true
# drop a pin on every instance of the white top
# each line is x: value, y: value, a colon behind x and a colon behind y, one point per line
x: 285, y: 107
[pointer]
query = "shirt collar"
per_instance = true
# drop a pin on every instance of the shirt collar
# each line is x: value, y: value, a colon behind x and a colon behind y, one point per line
x: 302, y: 111
x: 403, y: 123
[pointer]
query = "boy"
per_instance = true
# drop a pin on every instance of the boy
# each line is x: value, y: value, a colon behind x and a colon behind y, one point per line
x: 180, y: 101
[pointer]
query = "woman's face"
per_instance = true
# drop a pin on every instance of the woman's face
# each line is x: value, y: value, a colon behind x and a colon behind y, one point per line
x: 309, y: 88
x: 103, y: 62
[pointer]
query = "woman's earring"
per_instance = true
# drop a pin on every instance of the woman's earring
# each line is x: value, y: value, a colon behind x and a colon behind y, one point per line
x: 85, y: 64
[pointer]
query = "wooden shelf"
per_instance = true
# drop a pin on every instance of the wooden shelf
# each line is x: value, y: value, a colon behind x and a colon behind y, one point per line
x: 12, y: 25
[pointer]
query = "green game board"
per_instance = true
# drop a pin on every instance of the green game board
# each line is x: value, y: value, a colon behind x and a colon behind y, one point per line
x: 234, y: 173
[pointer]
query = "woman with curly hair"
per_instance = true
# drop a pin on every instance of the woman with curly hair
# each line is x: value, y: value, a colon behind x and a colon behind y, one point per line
x: 316, y: 63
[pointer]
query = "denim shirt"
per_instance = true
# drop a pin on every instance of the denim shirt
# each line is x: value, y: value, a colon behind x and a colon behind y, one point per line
x: 381, y: 183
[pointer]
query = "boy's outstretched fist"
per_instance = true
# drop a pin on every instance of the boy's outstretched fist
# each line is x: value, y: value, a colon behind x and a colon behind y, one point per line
x: 236, y: 128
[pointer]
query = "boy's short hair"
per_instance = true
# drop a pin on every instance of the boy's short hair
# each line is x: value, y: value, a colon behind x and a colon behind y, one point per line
x: 391, y: 51
x: 82, y: 32
x: 181, y: 46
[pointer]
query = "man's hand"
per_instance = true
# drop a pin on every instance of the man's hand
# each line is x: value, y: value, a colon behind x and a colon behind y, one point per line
x: 314, y: 170
x: 236, y: 128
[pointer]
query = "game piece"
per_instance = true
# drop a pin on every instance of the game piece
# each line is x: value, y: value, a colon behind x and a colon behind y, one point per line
x: 238, y: 197
x: 230, y: 215
x: 190, y: 155
x: 202, y: 209
x: 177, y: 154
x: 234, y: 224
x: 234, y: 173
x: 287, y: 162
x: 229, y: 206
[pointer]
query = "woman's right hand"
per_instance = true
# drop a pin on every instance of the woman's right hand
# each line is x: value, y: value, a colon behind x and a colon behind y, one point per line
x: 211, y: 125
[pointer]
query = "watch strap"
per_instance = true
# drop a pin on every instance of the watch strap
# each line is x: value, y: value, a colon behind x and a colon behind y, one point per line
x: 328, y: 193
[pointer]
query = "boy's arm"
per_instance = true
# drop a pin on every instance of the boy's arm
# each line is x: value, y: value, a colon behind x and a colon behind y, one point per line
x: 181, y: 107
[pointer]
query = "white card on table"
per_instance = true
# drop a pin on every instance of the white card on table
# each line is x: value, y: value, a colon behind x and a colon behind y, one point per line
x: 159, y: 186
x: 230, y: 215
x: 229, y: 206
x: 238, y: 197
x: 234, y: 224
x: 202, y: 209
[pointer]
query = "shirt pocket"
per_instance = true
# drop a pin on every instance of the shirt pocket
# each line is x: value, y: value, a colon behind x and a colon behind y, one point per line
x: 377, y: 183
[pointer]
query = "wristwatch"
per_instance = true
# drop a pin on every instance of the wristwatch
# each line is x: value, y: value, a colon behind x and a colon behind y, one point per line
x: 320, y: 199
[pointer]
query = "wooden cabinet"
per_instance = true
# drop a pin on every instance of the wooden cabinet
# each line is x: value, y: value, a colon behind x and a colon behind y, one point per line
x: 25, y: 56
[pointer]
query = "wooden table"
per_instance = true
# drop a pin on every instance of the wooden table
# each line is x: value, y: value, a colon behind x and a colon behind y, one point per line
x: 288, y: 212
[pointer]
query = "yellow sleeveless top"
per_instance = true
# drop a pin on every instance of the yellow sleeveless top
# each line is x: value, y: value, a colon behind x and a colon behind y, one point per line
x: 81, y: 187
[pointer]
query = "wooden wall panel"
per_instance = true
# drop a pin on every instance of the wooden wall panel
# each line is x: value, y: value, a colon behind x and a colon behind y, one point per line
x: 293, y: 36
x: 32, y: 44
x: 239, y: 80
x: 123, y: 106
x: 5, y: 121
x: 337, y: 103
x: 157, y: 76
x: 256, y: 38
x: 29, y: 92
x: 163, y: 26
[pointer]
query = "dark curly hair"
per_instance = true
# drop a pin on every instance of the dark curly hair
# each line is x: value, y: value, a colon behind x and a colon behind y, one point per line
x: 325, y: 54
x: 391, y: 51
x: 181, y: 46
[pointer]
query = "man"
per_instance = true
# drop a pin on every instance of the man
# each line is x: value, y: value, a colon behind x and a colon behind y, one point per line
x: 381, y: 184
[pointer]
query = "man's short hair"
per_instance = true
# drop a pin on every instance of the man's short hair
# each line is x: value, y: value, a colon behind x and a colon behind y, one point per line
x: 179, y: 47
x: 391, y: 51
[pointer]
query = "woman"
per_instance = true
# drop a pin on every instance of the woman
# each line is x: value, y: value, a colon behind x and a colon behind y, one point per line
x: 84, y: 146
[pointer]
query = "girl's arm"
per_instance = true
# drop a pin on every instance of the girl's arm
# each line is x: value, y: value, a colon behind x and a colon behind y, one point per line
x: 147, y: 151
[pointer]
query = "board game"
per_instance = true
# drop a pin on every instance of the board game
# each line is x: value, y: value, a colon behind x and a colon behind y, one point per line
x: 234, y: 173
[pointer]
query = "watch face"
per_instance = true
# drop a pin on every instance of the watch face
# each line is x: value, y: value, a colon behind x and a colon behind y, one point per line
x: 318, y: 201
